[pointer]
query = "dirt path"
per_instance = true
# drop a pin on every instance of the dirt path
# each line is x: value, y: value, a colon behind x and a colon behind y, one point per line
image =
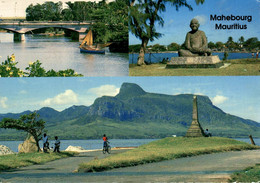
x: 205, y: 168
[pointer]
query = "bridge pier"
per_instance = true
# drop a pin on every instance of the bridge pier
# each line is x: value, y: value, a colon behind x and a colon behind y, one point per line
x: 20, y: 37
x: 82, y: 36
x: 78, y: 36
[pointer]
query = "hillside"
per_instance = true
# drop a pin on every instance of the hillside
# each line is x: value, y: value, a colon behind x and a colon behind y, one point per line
x: 135, y: 113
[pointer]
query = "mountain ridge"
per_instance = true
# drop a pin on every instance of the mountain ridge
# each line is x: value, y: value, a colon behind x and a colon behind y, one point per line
x: 135, y: 113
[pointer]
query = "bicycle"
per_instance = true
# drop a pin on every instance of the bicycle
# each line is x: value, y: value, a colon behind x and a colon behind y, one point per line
x: 107, y: 148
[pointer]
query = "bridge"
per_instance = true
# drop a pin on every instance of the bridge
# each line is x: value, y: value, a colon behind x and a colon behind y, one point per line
x: 20, y: 28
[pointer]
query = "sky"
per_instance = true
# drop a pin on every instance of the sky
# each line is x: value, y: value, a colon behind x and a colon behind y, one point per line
x: 237, y: 95
x: 16, y: 8
x: 176, y: 23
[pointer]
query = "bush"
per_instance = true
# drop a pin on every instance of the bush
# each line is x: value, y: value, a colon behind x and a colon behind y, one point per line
x: 8, y: 69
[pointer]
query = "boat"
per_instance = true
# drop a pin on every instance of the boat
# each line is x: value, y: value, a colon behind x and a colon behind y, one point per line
x: 88, y: 47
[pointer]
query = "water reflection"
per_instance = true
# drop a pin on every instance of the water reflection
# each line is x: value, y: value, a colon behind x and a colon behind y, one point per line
x: 60, y: 53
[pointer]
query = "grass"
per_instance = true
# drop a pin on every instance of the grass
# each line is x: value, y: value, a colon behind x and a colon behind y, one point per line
x: 25, y: 159
x: 237, y: 67
x: 251, y: 174
x: 165, y: 149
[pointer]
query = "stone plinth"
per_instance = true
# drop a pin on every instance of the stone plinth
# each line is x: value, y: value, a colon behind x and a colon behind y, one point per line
x: 195, y: 62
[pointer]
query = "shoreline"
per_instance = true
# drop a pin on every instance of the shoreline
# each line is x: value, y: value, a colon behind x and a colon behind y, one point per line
x: 212, y: 52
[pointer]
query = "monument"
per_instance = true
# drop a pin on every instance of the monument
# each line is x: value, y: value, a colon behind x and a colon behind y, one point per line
x: 196, y: 52
x: 195, y: 129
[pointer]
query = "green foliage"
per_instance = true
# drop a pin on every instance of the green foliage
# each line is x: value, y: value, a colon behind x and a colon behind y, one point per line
x: 35, y: 69
x: 211, y: 45
x: 158, y: 48
x: 49, y: 11
x: 219, y: 45
x: 27, y: 123
x: 165, y: 149
x: 12, y: 161
x: 225, y: 55
x: 134, y: 48
x: 173, y: 47
x: 252, y: 43
x: 8, y: 69
x: 110, y: 19
x: 250, y: 174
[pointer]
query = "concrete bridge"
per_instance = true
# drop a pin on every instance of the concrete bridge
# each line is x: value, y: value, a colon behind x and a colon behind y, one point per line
x: 20, y: 28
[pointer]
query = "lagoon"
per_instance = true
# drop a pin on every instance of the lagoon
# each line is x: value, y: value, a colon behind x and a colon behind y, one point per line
x: 98, y: 144
x: 158, y: 57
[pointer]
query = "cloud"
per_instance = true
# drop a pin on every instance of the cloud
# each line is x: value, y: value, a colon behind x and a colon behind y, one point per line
x: 218, y: 99
x: 3, y: 101
x: 108, y: 90
x: 202, y: 19
x: 68, y: 97
x: 23, y: 92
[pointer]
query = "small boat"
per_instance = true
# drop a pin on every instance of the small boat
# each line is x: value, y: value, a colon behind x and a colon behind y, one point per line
x: 88, y: 47
x: 89, y: 50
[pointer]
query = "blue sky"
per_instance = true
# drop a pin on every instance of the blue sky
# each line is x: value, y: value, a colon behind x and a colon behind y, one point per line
x: 234, y: 95
x: 176, y: 24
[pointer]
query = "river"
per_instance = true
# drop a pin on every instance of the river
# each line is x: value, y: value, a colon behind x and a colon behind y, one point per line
x: 97, y: 144
x: 158, y: 57
x: 60, y: 53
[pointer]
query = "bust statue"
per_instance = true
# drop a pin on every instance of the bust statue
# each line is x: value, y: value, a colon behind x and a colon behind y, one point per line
x: 196, y: 42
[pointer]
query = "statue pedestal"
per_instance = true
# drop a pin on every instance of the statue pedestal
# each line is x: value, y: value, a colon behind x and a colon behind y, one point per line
x: 195, y: 62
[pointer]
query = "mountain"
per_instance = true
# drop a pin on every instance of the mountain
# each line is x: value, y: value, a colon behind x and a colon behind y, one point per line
x: 135, y: 113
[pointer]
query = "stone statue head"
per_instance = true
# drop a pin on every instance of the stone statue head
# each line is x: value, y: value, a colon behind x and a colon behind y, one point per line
x: 194, y: 24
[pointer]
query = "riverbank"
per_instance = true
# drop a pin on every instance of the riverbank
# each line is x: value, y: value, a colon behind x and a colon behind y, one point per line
x: 234, y: 67
x: 165, y: 149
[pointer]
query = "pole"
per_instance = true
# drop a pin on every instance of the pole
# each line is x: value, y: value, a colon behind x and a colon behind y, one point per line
x: 252, y: 140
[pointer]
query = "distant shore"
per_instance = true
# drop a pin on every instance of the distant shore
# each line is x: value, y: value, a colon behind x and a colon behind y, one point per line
x: 177, y: 52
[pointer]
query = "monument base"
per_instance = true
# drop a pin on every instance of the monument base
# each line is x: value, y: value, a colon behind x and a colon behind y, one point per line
x: 195, y: 62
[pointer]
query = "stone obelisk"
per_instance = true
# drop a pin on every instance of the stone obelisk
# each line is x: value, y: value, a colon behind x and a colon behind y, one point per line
x: 195, y: 129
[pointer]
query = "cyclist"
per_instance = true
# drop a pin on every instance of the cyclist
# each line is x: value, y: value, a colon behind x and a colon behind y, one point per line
x: 105, y: 141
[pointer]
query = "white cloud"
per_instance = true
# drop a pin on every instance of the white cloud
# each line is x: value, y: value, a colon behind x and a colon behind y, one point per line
x: 68, y: 97
x: 3, y: 101
x: 218, y: 99
x: 23, y: 92
x: 108, y: 90
x: 202, y: 19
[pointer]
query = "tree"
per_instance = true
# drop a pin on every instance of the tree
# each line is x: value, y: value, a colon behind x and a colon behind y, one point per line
x: 241, y: 40
x: 173, y: 47
x: 211, y: 45
x: 158, y: 48
x: 143, y: 16
x: 134, y: 48
x: 252, y: 43
x: 219, y: 45
x: 28, y: 123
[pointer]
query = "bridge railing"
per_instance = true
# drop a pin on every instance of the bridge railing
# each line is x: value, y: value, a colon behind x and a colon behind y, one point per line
x: 46, y: 22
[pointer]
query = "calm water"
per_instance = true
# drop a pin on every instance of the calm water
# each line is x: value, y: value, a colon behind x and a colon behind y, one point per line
x: 158, y: 57
x: 60, y: 53
x: 97, y: 144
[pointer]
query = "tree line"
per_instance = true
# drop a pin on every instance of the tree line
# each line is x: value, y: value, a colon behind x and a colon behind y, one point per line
x: 111, y: 19
x: 251, y: 44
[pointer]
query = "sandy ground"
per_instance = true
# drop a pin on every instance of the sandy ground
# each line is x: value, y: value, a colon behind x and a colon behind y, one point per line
x: 205, y: 168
